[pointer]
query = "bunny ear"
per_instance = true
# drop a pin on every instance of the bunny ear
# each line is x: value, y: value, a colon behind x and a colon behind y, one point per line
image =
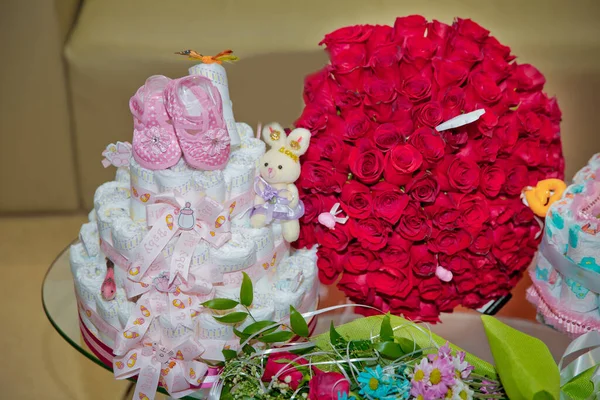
x: 273, y: 134
x: 298, y: 141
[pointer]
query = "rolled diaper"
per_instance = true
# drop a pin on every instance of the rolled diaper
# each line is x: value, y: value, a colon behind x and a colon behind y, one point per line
x: 217, y: 75
x: 262, y: 237
x: 127, y: 235
x: 124, y: 306
x: 87, y: 284
x: 241, y: 221
x: 115, y: 194
x: 173, y: 335
x: 123, y: 175
x: 79, y: 258
x: 143, y: 187
x: 180, y: 179
x: 211, y: 329
x: 201, y: 254
x: 285, y: 299
x: 88, y: 236
x: 211, y: 183
x: 92, y: 216
x: 108, y: 310
x: 263, y: 293
x: 239, y: 176
x: 107, y: 215
x: 245, y: 131
x: 236, y: 255
x: 277, y: 231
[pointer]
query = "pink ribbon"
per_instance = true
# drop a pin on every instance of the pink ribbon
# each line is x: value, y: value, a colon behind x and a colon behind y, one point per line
x: 144, y: 196
x: 171, y: 215
x: 117, y: 154
x: 174, y: 368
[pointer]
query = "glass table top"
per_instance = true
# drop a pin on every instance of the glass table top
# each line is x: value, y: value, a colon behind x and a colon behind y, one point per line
x: 463, y: 329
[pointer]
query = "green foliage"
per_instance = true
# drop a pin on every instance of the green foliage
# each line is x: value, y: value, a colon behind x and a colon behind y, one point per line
x: 281, y: 336
x: 220, y: 304
x: 232, y: 318
x: 246, y: 291
x: 298, y: 323
x: 386, y: 333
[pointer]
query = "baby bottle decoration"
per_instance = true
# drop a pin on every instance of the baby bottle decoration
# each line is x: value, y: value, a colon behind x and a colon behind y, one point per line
x: 186, y: 217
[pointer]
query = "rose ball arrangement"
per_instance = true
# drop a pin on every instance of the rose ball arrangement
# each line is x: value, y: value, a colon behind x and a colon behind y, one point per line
x: 435, y: 218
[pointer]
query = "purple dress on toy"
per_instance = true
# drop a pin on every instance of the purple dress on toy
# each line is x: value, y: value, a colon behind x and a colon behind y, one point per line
x: 276, y: 204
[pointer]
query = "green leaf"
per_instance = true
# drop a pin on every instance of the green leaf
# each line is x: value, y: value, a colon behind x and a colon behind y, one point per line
x: 360, y: 345
x: 280, y: 336
x: 389, y: 350
x: 299, y: 325
x: 408, y: 346
x: 257, y: 326
x: 220, y: 304
x: 241, y: 335
x: 334, y: 336
x: 302, y: 351
x: 386, y: 333
x: 232, y: 318
x: 524, y: 363
x: 246, y: 291
x: 229, y: 354
x: 247, y: 349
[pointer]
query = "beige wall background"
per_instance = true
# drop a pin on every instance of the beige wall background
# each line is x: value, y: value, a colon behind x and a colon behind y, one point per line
x: 70, y: 66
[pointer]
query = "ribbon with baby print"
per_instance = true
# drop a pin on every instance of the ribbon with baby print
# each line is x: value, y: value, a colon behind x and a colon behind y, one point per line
x: 169, y: 215
x: 174, y: 368
x: 241, y: 203
x: 142, y: 195
x: 98, y: 321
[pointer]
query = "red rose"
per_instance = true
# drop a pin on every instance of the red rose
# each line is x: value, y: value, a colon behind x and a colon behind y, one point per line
x: 388, y: 202
x: 438, y: 32
x: 336, y: 239
x: 516, y: 179
x: 464, y: 50
x: 277, y: 362
x: 316, y: 88
x: 329, y: 264
x: 528, y: 78
x: 396, y: 111
x: 390, y: 281
x: 385, y: 56
x: 492, y: 179
x: 330, y: 148
x: 450, y: 242
x: 313, y: 206
x: 471, y: 30
x: 453, y: 101
x: 419, y: 50
x: 507, y: 132
x: 357, y: 260
x: 355, y: 286
x: 414, y: 224
x: 396, y: 254
x: 423, y: 188
x: 347, y: 35
x: 366, y: 164
x: 430, y: 288
x: 424, y: 262
x: 313, y: 118
x: 484, y: 88
x: 429, y: 144
x: 371, y: 233
x: 412, y: 25
x: 388, y: 135
x: 380, y: 36
x: 449, y: 73
x: 346, y: 57
x: 352, y: 80
x: 463, y: 174
x: 475, y: 212
x: 483, y: 242
x: 486, y: 124
x: 416, y: 88
x: 401, y: 161
x: 327, y: 386
x: 356, y: 200
x: 307, y: 237
x: 502, y: 210
x: 528, y: 151
x: 321, y: 177
x: 429, y: 114
x: 457, y: 263
x: 357, y: 124
x: 345, y: 99
x: 378, y: 89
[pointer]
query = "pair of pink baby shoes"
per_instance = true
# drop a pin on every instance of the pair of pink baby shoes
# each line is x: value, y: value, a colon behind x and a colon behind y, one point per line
x: 178, y: 116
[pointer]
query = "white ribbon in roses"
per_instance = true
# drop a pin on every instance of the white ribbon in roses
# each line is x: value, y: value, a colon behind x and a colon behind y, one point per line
x: 174, y: 368
x: 170, y: 215
x: 181, y: 301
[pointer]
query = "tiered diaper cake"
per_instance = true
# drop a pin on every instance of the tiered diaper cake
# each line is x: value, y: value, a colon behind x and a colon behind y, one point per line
x: 173, y: 231
x: 566, y: 277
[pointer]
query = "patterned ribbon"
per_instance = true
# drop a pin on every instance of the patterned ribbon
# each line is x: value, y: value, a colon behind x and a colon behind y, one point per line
x: 171, y: 215
x: 174, y: 368
x: 590, y: 342
x: 276, y: 205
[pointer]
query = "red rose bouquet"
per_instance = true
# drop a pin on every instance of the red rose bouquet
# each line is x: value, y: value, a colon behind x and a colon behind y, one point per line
x: 435, y: 218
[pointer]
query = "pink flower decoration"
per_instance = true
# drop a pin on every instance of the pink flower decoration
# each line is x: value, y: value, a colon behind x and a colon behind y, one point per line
x: 215, y: 141
x: 156, y: 139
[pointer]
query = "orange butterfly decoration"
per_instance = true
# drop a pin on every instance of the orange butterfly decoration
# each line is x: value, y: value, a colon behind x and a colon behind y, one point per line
x: 224, y: 56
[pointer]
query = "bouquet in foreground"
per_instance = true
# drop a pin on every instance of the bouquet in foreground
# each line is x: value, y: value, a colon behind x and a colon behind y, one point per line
x: 387, y: 357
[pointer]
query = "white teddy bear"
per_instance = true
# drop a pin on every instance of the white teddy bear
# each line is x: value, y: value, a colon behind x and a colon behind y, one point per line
x: 276, y: 195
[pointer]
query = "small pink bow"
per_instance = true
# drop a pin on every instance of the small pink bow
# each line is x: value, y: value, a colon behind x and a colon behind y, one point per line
x: 329, y: 219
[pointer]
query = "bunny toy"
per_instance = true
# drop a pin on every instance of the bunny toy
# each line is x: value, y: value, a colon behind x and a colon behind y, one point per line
x: 276, y: 195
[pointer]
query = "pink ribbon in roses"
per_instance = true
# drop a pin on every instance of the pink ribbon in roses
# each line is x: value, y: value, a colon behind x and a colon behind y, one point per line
x: 117, y: 154
x: 170, y: 215
x: 174, y: 368
x: 181, y: 301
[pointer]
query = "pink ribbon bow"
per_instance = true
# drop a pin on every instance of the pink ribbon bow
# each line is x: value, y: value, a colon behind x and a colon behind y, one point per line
x: 174, y: 368
x: 117, y: 154
x: 179, y: 300
x: 170, y: 215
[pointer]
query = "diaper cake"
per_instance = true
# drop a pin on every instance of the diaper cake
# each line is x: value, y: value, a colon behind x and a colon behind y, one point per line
x: 177, y: 227
x: 566, y: 275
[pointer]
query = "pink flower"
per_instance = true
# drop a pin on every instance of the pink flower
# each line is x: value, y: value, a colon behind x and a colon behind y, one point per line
x: 437, y: 375
x: 281, y: 363
x: 156, y: 139
x: 327, y: 385
x: 215, y: 141
x: 420, y: 391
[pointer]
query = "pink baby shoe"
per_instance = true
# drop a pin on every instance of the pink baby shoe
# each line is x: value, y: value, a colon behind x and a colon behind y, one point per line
x: 155, y: 144
x: 194, y: 105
